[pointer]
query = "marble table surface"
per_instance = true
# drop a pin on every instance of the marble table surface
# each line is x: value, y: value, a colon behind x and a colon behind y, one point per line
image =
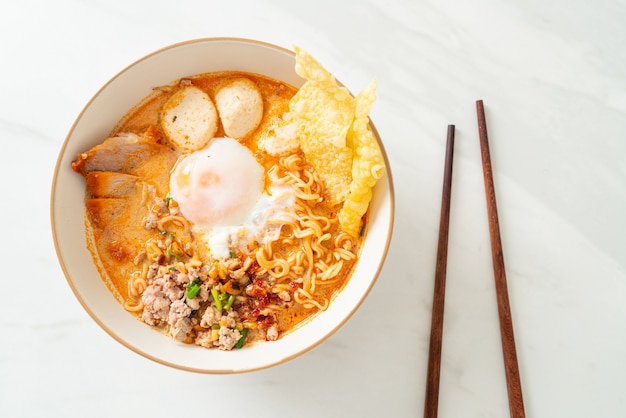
x: 552, y: 75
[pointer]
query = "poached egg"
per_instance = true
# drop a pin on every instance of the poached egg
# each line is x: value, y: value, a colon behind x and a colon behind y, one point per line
x: 221, y: 189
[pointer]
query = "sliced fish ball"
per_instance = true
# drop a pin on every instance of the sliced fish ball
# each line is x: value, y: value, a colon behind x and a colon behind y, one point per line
x: 240, y: 107
x: 189, y: 119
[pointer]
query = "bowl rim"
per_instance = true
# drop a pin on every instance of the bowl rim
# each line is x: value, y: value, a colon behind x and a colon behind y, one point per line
x: 61, y: 257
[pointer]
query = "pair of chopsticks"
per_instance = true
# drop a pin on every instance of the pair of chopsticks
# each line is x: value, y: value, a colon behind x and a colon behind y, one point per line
x: 514, y: 389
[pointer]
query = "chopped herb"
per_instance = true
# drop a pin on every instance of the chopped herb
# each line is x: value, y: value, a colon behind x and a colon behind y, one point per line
x: 362, y: 230
x: 193, y: 288
x: 229, y: 302
x: 215, y: 326
x: 216, y: 298
x: 233, y: 255
x: 168, y: 200
x: 171, y: 253
x: 243, y: 332
x: 193, y: 291
x: 167, y: 234
x: 173, y: 268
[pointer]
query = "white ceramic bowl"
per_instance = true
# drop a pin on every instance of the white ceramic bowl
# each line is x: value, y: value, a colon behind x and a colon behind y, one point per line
x: 67, y: 211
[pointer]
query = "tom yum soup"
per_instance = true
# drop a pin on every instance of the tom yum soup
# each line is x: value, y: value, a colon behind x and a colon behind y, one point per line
x: 227, y: 208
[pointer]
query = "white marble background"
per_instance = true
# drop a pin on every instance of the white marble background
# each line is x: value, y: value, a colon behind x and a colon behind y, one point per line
x: 552, y: 75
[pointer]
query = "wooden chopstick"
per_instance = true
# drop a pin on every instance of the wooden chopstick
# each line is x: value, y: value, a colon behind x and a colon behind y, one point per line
x: 514, y: 387
x: 431, y: 404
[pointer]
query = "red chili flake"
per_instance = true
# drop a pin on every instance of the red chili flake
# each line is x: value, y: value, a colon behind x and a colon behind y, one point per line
x: 257, y: 292
x: 263, y: 301
x: 265, y: 321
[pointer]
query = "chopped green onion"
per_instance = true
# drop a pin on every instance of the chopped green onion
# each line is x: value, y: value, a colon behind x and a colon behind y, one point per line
x: 193, y: 288
x: 243, y: 332
x: 173, y: 268
x: 216, y: 298
x: 229, y: 302
x: 195, y: 281
x: 168, y: 200
x: 215, y: 326
x: 223, y: 297
x: 233, y: 255
x: 172, y: 253
x: 192, y: 292
x: 167, y: 234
